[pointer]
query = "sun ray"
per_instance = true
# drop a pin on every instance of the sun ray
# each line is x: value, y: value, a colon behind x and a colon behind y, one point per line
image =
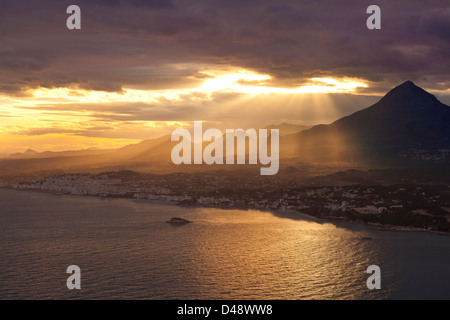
x: 72, y: 111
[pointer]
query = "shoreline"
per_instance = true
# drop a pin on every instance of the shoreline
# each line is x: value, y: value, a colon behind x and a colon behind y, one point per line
x: 376, y: 226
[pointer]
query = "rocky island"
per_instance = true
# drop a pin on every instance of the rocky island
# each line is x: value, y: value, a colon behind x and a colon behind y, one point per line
x: 178, y: 220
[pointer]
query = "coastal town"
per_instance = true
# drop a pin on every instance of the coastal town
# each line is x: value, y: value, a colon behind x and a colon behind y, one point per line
x: 413, y: 206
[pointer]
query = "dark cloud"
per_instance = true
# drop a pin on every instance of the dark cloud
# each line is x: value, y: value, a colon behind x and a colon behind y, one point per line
x: 142, y: 44
x: 152, y: 4
x: 437, y: 23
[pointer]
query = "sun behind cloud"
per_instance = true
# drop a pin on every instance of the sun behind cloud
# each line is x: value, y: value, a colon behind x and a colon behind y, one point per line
x: 44, y: 117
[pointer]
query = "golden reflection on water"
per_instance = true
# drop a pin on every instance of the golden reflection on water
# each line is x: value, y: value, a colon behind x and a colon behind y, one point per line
x: 254, y: 252
x: 126, y: 250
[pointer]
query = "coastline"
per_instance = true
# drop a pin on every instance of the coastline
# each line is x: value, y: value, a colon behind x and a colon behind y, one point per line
x: 285, y: 212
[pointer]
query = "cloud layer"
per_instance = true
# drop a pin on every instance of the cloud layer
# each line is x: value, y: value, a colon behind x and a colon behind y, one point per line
x: 174, y: 45
x: 163, y: 44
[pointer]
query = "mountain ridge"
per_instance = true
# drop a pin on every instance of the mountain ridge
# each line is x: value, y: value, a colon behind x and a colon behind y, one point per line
x: 407, y: 117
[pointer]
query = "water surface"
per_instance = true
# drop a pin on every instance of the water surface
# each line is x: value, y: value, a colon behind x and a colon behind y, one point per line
x: 126, y: 251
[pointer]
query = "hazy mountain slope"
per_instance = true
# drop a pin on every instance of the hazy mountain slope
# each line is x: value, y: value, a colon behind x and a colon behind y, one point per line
x: 407, y: 117
x: 287, y: 128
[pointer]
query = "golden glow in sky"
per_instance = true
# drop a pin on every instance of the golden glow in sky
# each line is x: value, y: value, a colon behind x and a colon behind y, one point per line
x: 70, y: 118
x: 238, y: 81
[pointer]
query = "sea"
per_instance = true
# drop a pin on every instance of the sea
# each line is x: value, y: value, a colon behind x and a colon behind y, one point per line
x: 125, y: 249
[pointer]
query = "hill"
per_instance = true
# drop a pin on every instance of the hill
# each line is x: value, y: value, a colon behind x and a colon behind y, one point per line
x: 407, y: 120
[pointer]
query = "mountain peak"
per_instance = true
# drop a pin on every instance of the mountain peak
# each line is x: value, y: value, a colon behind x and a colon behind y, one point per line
x: 408, y: 93
x: 408, y: 83
x: 30, y: 151
x: 409, y: 86
x: 407, y: 123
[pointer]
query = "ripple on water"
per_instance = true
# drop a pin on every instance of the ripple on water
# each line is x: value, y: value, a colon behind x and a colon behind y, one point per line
x: 126, y: 251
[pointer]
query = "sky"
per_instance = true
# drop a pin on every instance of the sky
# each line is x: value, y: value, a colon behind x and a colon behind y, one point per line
x: 139, y: 69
